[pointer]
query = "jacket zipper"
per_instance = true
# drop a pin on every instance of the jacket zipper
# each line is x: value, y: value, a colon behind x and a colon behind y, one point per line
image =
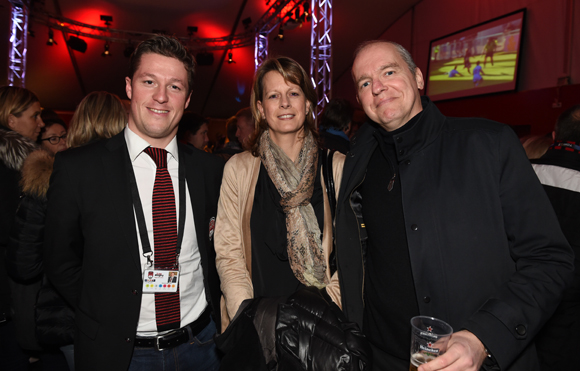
x: 360, y: 241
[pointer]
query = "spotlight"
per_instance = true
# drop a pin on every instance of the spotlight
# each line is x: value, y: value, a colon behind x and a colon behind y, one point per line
x: 246, y: 22
x: 50, y: 40
x: 77, y: 44
x: 231, y: 58
x: 191, y: 30
x: 306, y: 7
x: 106, y: 52
x: 280, y: 34
x: 204, y: 59
x: 107, y: 19
x: 128, y: 51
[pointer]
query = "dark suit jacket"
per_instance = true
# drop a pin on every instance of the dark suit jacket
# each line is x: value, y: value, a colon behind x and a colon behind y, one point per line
x: 92, y: 253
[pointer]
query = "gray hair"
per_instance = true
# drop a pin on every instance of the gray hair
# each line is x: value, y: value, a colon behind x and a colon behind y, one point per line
x: 405, y: 55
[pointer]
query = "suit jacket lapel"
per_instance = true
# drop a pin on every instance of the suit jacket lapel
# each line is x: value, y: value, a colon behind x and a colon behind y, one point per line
x: 117, y: 163
x: 195, y: 183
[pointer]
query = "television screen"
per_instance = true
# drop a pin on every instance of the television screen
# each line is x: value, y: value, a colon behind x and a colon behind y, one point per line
x: 478, y: 60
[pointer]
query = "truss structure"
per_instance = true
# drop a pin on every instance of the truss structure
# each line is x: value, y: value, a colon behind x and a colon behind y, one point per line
x: 17, y: 42
x: 268, y: 22
x: 321, y: 55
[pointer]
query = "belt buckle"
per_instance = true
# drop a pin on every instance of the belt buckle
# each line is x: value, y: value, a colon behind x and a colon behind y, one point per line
x: 157, y: 347
x: 163, y: 337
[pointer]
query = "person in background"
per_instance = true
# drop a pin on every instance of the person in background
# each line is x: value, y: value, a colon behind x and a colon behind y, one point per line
x: 245, y: 126
x: 536, y: 146
x: 52, y: 137
x: 335, y: 124
x: 442, y: 217
x: 193, y: 130
x: 232, y: 146
x: 559, y: 172
x: 50, y: 319
x: 20, y: 125
x: 122, y: 208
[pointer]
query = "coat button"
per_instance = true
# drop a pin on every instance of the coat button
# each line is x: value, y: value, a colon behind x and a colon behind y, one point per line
x: 414, y: 227
x: 351, y: 154
x: 353, y: 140
x: 401, y: 151
x: 134, y: 292
x: 426, y: 299
x: 128, y: 340
x: 408, y: 162
x: 521, y: 330
x: 399, y: 139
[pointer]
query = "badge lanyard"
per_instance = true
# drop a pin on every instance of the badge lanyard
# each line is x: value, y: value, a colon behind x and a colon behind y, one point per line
x: 138, y: 206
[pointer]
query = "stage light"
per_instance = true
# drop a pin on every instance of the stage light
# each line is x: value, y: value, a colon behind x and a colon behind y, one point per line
x: 246, y: 22
x: 106, y: 52
x: 280, y: 35
x: 50, y: 40
x: 191, y: 30
x: 231, y: 58
x: 107, y: 19
x: 77, y: 44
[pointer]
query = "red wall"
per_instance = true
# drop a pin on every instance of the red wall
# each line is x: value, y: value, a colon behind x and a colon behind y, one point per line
x: 532, y: 107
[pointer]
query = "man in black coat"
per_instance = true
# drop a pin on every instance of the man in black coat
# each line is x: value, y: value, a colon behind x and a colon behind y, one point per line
x: 559, y: 172
x: 101, y: 216
x: 442, y: 217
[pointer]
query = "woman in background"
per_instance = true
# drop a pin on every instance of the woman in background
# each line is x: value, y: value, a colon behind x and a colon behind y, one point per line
x: 20, y: 124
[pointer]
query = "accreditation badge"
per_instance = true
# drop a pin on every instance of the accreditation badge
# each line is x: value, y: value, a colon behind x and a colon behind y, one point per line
x: 160, y: 280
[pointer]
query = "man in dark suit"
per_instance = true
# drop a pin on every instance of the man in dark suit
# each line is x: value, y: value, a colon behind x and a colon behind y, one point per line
x: 103, y: 222
x: 442, y: 217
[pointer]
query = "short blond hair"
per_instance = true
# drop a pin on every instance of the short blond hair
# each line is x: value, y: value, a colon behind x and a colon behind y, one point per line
x: 100, y: 115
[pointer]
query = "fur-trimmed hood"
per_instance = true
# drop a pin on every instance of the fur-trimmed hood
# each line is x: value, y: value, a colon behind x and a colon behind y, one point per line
x: 14, y: 148
x: 36, y: 173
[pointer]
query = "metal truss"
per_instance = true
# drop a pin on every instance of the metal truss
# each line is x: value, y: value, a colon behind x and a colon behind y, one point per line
x: 321, y: 55
x: 267, y: 23
x: 17, y: 42
x: 261, y: 49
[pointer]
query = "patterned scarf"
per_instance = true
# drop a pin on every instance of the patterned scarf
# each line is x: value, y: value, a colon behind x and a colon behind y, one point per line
x: 295, y: 183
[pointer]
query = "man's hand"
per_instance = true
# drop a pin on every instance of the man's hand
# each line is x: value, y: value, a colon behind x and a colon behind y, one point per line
x: 464, y: 353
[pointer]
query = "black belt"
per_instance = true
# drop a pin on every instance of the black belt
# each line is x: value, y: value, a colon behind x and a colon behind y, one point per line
x: 175, y: 337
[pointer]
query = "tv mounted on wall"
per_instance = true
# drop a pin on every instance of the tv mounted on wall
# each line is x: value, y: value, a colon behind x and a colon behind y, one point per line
x: 481, y: 59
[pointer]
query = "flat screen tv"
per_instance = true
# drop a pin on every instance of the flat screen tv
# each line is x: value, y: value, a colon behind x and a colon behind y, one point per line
x: 480, y: 59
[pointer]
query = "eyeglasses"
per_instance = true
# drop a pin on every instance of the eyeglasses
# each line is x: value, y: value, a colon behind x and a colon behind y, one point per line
x: 54, y: 140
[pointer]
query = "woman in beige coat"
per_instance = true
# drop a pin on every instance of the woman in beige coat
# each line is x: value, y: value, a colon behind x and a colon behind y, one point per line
x: 274, y: 226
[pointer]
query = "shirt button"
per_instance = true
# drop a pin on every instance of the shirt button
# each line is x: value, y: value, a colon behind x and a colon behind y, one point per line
x: 128, y: 340
x: 408, y: 162
x: 426, y: 299
x: 399, y: 139
x: 401, y: 151
x: 134, y: 292
x: 521, y: 330
x: 414, y: 227
x: 351, y: 154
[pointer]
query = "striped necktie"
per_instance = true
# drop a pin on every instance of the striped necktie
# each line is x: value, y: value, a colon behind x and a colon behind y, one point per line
x: 167, y: 309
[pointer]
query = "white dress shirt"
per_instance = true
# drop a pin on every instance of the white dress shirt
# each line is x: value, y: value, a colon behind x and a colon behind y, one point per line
x: 191, y: 289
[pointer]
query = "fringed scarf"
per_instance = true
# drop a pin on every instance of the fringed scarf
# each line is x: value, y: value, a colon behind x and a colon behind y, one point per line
x: 295, y: 183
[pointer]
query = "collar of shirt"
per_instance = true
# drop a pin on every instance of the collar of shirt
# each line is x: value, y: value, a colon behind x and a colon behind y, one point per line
x: 136, y: 145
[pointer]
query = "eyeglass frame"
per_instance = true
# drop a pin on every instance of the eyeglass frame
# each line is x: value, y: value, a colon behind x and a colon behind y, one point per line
x: 58, y: 138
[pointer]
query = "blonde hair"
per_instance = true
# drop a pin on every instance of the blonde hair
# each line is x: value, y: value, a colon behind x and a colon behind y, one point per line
x: 100, y: 115
x: 14, y: 101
